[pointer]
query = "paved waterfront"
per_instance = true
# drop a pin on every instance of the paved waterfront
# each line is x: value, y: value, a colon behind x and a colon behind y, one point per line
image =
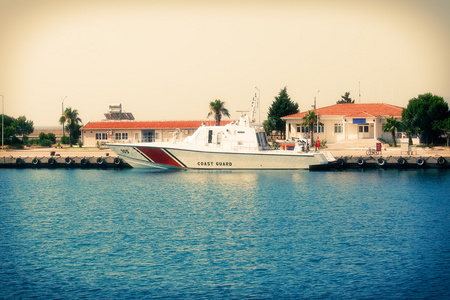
x: 332, y: 150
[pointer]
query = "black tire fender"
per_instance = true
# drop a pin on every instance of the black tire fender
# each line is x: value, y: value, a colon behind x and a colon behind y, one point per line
x: 381, y: 162
x: 100, y: 161
x: 420, y: 161
x: 84, y: 161
x: 117, y: 161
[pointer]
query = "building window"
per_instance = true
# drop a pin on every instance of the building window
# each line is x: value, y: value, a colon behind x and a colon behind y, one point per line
x: 338, y: 128
x: 364, y: 128
x: 121, y: 136
x: 320, y: 128
x: 101, y: 136
x: 299, y: 127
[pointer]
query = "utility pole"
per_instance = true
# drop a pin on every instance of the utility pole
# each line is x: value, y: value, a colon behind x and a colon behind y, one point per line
x: 359, y: 94
x: 62, y: 113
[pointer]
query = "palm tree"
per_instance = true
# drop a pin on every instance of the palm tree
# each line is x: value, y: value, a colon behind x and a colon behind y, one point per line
x: 71, y: 117
x: 309, y: 120
x: 392, y: 125
x: 410, y: 129
x: 217, y: 108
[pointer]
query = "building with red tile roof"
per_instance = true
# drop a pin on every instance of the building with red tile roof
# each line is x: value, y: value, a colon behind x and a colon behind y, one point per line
x: 347, y: 121
x: 124, y: 131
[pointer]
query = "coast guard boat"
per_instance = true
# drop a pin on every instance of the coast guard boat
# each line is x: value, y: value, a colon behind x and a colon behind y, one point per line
x: 237, y: 145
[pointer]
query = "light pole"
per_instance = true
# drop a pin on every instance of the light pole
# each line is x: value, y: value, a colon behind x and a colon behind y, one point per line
x: 3, y: 115
x: 259, y: 104
x: 315, y: 99
x: 317, y: 119
x: 62, y: 113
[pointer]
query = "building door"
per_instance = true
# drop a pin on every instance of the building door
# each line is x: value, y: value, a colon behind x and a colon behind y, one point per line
x: 148, y: 136
x: 364, y: 131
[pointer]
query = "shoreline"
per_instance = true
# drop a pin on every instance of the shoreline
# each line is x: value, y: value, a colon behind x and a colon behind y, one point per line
x: 331, y: 151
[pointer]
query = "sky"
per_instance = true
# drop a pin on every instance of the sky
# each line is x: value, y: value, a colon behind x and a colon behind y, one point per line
x: 167, y: 60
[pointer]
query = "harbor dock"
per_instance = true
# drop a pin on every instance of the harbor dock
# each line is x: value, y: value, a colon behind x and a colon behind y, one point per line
x: 60, y: 158
x: 340, y: 157
x: 385, y: 162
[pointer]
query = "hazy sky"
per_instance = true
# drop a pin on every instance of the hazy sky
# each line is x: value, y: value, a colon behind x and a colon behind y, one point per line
x: 166, y: 60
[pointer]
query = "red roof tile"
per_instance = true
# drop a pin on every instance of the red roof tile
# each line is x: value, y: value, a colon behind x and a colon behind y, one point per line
x: 147, y: 124
x: 355, y: 110
x: 362, y: 114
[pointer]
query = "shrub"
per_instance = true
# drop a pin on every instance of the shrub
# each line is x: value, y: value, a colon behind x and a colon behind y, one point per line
x: 65, y: 140
x: 45, y: 143
x: 80, y: 143
x: 16, y: 146
x: 33, y: 141
x: 43, y: 136
x: 25, y: 140
x: 16, y: 143
x: 51, y: 137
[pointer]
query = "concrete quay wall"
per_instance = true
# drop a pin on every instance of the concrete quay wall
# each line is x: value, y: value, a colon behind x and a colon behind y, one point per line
x: 385, y: 162
x: 60, y: 158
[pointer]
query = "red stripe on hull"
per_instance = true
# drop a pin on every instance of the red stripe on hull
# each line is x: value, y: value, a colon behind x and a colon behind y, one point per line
x: 158, y: 156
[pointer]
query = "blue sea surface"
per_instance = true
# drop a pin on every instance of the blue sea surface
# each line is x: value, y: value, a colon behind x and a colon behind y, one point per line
x: 134, y: 234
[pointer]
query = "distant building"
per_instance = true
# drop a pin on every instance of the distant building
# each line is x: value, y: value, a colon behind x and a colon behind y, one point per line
x: 345, y: 122
x: 100, y: 133
x: 57, y: 132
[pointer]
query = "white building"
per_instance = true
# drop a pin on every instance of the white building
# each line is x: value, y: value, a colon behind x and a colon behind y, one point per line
x: 347, y: 121
x: 95, y: 134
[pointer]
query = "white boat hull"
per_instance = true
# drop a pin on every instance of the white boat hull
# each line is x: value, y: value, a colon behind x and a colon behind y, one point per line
x: 173, y: 156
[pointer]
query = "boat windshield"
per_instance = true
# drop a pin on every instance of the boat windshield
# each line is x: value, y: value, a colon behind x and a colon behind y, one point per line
x: 262, y: 140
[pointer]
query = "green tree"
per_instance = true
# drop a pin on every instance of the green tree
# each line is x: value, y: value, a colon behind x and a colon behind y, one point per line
x: 217, y: 108
x: 268, y: 125
x: 16, y: 127
x: 345, y: 99
x: 392, y: 125
x: 71, y: 118
x: 281, y: 106
x: 9, y: 130
x: 309, y: 120
x: 444, y: 127
x: 421, y: 113
x: 23, y: 127
x: 409, y: 128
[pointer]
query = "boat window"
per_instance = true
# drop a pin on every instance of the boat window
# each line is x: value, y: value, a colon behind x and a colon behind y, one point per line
x: 262, y: 140
x: 210, y: 135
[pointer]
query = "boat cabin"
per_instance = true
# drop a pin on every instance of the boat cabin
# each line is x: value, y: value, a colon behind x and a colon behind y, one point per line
x: 235, y: 136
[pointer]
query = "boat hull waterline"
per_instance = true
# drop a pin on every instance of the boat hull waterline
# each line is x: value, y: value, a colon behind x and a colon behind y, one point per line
x: 169, y: 156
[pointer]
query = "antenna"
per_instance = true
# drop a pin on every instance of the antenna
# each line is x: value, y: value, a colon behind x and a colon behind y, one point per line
x: 258, y: 104
x: 359, y: 95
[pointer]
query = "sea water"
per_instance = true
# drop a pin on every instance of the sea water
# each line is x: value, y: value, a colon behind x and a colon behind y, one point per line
x: 130, y: 234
